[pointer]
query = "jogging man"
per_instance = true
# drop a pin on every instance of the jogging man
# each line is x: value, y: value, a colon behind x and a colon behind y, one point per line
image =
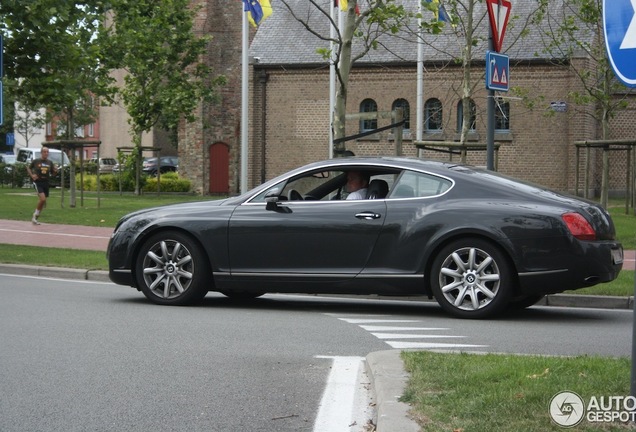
x: 40, y: 171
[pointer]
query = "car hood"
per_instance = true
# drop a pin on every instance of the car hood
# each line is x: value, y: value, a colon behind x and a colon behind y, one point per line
x: 160, y: 212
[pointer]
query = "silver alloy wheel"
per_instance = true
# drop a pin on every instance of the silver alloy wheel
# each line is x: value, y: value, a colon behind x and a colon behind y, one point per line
x: 168, y: 269
x: 469, y: 279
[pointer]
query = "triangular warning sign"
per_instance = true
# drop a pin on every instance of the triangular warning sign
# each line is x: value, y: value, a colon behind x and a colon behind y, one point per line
x: 498, y: 13
x: 495, y: 75
x: 504, y: 78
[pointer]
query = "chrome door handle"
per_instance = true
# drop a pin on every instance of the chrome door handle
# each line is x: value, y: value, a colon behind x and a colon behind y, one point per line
x: 368, y: 215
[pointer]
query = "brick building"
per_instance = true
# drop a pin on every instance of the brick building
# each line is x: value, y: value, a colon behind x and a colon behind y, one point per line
x: 289, y: 103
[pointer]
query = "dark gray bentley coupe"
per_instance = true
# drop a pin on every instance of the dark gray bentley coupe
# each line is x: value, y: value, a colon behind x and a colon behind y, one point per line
x: 477, y: 241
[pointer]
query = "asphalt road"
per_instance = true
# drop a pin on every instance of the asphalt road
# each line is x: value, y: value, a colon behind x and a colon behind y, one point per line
x: 82, y: 355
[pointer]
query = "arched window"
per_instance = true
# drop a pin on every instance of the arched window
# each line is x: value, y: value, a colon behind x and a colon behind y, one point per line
x: 502, y: 116
x: 406, y: 110
x: 368, y: 105
x: 433, y: 115
x: 472, y: 121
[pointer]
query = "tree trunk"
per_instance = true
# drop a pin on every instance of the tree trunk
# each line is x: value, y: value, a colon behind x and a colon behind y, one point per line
x: 343, y: 70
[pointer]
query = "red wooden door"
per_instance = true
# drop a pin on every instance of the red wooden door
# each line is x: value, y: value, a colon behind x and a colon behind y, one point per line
x: 219, y: 169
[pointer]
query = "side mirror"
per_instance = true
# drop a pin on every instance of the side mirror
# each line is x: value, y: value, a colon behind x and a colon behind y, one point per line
x: 271, y: 198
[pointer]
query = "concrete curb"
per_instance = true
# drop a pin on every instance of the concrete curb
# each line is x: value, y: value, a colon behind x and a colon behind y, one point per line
x: 55, y: 272
x: 389, y: 379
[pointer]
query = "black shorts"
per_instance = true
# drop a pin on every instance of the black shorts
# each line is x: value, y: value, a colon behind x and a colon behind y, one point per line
x: 42, y: 187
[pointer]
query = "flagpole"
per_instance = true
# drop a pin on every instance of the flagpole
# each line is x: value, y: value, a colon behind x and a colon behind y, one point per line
x: 332, y: 79
x: 244, y: 102
x: 420, y: 80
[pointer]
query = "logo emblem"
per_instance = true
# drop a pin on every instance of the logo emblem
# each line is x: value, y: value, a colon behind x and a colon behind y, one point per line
x: 567, y: 409
x: 619, y: 22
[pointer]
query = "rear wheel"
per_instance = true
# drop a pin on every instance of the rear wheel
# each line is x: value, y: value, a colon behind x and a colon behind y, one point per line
x: 471, y: 278
x: 172, y: 269
x: 525, y: 302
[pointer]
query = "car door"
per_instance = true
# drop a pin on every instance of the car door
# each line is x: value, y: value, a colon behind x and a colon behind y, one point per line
x: 304, y: 240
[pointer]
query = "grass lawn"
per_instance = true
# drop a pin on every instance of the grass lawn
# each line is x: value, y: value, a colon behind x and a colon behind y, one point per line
x: 493, y: 392
x: 19, y: 204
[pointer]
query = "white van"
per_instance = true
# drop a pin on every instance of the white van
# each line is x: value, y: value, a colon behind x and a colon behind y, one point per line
x: 27, y: 155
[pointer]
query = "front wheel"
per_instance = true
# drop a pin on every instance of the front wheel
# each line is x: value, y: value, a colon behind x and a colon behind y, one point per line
x: 172, y: 269
x: 471, y: 278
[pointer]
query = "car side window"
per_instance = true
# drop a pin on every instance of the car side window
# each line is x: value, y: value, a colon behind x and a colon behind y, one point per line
x: 323, y: 185
x: 413, y: 184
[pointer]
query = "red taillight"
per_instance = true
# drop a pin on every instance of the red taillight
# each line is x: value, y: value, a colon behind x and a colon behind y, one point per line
x: 579, y: 226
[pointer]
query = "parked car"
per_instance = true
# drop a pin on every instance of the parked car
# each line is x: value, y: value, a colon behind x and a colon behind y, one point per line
x: 106, y: 165
x: 7, y: 159
x: 477, y: 241
x: 167, y: 164
x: 26, y: 155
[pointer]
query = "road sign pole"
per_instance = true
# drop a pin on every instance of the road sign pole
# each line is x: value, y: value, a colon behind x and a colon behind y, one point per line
x: 490, y: 130
x: 619, y: 27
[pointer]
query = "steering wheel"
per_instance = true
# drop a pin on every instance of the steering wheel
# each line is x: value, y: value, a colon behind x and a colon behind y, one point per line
x: 294, y: 195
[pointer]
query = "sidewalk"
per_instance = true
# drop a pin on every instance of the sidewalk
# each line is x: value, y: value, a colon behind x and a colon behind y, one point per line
x: 54, y: 235
x: 386, y: 369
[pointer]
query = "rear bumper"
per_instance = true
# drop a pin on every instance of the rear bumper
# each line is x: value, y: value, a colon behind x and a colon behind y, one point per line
x: 121, y: 276
x: 596, y: 263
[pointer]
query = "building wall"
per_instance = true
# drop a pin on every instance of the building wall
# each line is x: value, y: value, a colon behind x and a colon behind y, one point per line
x: 538, y: 148
x: 218, y: 122
x: 289, y: 116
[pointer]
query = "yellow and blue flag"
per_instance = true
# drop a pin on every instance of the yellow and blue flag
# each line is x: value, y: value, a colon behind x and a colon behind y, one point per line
x: 257, y: 10
x: 440, y: 11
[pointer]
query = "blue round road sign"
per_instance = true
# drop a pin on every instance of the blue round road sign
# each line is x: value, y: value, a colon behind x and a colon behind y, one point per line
x: 619, y: 21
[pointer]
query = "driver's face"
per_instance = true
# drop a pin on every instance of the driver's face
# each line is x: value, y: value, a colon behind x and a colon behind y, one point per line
x: 354, y: 182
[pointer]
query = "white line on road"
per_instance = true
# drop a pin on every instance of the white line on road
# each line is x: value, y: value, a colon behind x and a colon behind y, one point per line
x: 336, y: 406
x: 412, y: 336
x: 389, y: 328
x: 370, y: 321
x: 427, y: 345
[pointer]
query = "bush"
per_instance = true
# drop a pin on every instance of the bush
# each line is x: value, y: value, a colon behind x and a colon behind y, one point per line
x: 14, y: 175
x: 170, y: 182
x: 107, y: 183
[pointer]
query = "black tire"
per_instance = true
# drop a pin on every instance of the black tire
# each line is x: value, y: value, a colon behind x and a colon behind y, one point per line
x: 524, y: 302
x: 472, y: 278
x: 172, y: 269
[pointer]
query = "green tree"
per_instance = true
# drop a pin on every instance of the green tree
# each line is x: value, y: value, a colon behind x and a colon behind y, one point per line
x: 165, y: 75
x: 52, y: 55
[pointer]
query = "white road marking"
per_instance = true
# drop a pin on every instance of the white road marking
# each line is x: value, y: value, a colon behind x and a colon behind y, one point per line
x: 412, y: 336
x: 395, y: 337
x: 427, y: 345
x: 337, y: 403
x: 373, y: 320
x: 389, y: 328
